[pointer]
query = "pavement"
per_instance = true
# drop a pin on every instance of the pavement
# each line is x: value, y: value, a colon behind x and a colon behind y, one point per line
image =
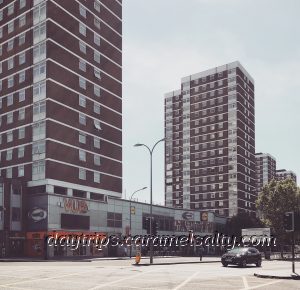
x: 122, y: 274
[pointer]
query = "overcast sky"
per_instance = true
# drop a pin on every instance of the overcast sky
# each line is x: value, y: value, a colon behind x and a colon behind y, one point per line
x: 164, y: 40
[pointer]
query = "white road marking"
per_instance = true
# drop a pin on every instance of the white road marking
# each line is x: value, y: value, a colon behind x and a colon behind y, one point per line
x: 246, y: 285
x: 262, y: 285
x: 120, y: 280
x: 186, y: 281
x: 41, y: 279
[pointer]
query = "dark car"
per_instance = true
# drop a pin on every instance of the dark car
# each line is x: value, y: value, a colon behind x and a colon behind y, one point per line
x: 242, y: 257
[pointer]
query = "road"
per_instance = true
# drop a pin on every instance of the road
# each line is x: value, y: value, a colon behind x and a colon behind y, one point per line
x: 121, y: 274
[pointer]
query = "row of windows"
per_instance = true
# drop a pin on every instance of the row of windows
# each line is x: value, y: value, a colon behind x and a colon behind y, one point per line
x: 83, y: 140
x: 82, y: 11
x: 82, y: 175
x: 11, y: 25
x: 82, y: 157
x: 11, y: 8
x: 82, y: 31
x: 21, y: 76
x: 11, y: 43
x: 10, y: 135
x: 82, y: 103
x: 10, y: 116
x: 9, y: 153
x: 11, y: 61
x: 10, y: 98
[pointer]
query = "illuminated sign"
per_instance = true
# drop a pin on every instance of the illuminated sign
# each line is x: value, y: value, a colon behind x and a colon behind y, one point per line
x: 188, y: 215
x: 75, y: 205
x: 204, y: 216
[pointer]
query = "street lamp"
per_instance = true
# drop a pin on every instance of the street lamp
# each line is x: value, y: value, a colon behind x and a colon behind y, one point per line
x: 151, y: 215
x: 130, y: 213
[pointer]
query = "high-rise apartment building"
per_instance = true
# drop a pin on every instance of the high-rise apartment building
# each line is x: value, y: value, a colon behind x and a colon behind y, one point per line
x: 282, y: 174
x: 210, y: 146
x: 265, y: 170
x: 60, y: 101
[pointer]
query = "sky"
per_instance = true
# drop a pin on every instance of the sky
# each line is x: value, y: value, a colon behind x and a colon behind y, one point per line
x: 165, y: 40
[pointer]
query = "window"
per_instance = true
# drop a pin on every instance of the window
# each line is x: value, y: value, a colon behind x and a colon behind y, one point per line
x: 1, y: 32
x: 82, y: 174
x: 10, y: 63
x: 96, y: 108
x: 22, y: 21
x: 9, y: 136
x: 82, y: 119
x: 10, y: 9
x: 114, y: 220
x: 38, y: 130
x: 22, y: 114
x: 97, y: 124
x: 10, y: 27
x: 10, y: 100
x: 39, y: 72
x: 39, y: 108
x: 82, y: 101
x: 82, y: 10
x: 10, y: 44
x: 82, y: 83
x: 82, y: 155
x: 22, y: 58
x: 21, y: 133
x: 39, y: 52
x: 96, y: 160
x: 9, y: 172
x: 21, y: 95
x: 82, y: 29
x: 0, y: 67
x: 10, y: 118
x: 39, y: 91
x: 22, y: 3
x: 21, y: 152
x: 39, y: 33
x: 10, y: 82
x: 97, y: 73
x: 97, y: 56
x: 82, y: 47
x: 38, y: 170
x: 97, y: 23
x: 39, y: 13
x: 97, y: 5
x: 9, y: 154
x: 97, y: 177
x: 22, y: 77
x: 82, y: 138
x: 39, y: 147
x: 97, y: 39
x: 22, y: 38
x: 96, y: 142
x: 20, y: 170
x: 97, y: 91
x: 82, y: 65
x: 1, y: 15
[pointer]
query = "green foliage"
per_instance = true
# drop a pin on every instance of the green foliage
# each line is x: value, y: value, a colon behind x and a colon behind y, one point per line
x: 241, y: 221
x: 276, y: 198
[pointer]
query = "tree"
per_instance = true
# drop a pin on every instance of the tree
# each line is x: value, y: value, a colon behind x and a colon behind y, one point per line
x: 276, y: 198
x: 241, y: 221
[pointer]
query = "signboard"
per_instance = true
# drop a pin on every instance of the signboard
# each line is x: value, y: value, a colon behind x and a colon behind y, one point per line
x: 204, y: 216
x: 75, y: 205
x: 256, y: 232
x: 188, y: 215
x: 37, y: 214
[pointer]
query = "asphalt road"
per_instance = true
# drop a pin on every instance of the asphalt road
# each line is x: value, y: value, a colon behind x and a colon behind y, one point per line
x: 121, y: 274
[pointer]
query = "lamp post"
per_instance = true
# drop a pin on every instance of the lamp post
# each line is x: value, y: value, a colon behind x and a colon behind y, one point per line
x: 151, y: 215
x: 130, y: 214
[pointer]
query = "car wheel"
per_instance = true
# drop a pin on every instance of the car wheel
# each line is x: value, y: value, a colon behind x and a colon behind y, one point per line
x: 224, y: 264
x: 243, y: 263
x: 258, y: 264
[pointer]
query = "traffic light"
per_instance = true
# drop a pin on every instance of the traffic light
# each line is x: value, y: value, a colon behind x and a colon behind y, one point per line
x: 288, y: 221
x: 146, y: 224
x: 154, y: 227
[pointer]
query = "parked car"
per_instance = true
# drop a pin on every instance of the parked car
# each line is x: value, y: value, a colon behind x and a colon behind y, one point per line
x: 242, y: 257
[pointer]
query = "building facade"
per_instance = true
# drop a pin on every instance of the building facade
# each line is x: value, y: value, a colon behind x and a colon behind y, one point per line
x: 283, y: 174
x: 60, y: 102
x: 265, y: 170
x: 210, y: 147
x: 66, y: 215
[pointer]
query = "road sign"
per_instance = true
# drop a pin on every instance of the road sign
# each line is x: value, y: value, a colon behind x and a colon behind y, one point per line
x: 257, y: 232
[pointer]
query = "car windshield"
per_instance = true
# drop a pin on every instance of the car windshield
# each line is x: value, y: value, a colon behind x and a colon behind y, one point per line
x: 238, y: 251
